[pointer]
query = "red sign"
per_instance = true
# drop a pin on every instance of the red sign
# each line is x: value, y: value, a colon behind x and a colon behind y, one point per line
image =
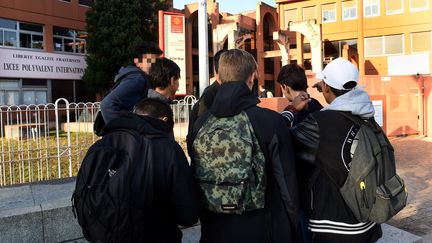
x: 176, y: 24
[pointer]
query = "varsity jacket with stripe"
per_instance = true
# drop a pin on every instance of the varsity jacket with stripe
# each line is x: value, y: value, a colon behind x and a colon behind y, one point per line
x: 323, y: 140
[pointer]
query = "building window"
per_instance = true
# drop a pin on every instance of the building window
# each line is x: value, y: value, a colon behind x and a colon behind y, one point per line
x: 393, y: 44
x: 394, y: 6
x: 349, y: 10
x: 68, y: 40
x: 421, y: 42
x: 371, y: 8
x: 9, y: 92
x: 384, y: 45
x: 309, y: 13
x: 419, y: 5
x: 88, y: 3
x: 335, y: 49
x: 329, y: 13
x: 373, y: 46
x: 290, y: 16
x: 34, y: 91
x: 31, y: 36
x: 8, y: 31
x: 18, y: 34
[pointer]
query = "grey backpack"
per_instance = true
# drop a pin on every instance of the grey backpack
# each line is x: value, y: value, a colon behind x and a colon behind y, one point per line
x: 373, y: 190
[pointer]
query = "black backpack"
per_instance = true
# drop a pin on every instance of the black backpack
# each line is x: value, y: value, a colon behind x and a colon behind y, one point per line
x: 114, y: 187
x: 99, y: 122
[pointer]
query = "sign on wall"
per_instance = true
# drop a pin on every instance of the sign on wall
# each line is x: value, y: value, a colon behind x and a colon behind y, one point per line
x: 409, y: 64
x: 173, y: 42
x: 40, y: 65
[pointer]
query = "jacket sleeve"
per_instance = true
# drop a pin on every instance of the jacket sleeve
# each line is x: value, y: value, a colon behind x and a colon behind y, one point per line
x: 306, y: 139
x: 192, y: 119
x: 184, y: 197
x: 129, y: 92
x: 283, y: 169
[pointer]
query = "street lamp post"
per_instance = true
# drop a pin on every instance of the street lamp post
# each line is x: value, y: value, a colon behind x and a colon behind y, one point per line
x: 203, y: 45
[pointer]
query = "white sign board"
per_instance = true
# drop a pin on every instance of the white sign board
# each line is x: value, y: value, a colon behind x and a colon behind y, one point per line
x: 409, y: 64
x: 378, y: 106
x: 40, y: 65
x: 175, y: 45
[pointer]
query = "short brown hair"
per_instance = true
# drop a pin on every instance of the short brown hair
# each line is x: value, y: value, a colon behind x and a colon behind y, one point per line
x: 236, y: 65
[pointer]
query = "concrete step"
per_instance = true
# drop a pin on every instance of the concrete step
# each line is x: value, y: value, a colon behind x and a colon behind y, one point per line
x: 41, y: 212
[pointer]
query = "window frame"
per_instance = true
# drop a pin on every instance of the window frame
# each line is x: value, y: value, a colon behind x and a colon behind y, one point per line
x: 18, y: 31
x: 75, y: 40
x: 371, y: 16
x: 335, y: 13
x: 383, y: 44
x: 84, y: 5
x: 419, y: 9
x: 403, y: 45
x: 303, y: 9
x: 395, y: 11
x: 355, y: 7
x: 411, y: 43
x: 285, y: 19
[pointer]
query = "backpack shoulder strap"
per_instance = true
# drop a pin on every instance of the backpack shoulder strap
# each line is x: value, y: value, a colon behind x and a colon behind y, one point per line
x: 354, y: 118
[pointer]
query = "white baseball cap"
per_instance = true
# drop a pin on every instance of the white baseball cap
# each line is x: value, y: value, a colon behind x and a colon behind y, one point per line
x: 340, y: 74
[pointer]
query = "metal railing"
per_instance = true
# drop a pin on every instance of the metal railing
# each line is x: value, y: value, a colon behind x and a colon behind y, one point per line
x: 47, y: 141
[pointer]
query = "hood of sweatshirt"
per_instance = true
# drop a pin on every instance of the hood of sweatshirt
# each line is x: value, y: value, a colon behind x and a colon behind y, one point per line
x: 356, y: 101
x: 232, y: 98
x: 124, y: 71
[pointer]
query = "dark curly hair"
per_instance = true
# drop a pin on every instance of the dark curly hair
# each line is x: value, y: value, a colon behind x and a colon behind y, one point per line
x: 146, y: 47
x: 293, y: 76
x: 161, y: 72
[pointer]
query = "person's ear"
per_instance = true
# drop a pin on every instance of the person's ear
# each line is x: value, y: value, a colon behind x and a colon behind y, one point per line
x: 250, y: 81
x: 325, y: 87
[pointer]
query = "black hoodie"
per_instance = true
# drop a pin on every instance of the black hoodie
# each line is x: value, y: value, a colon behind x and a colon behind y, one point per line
x: 277, y: 222
x: 175, y: 192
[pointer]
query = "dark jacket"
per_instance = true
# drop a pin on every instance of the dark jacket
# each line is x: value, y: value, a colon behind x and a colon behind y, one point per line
x: 175, y: 192
x: 312, y: 107
x: 204, y: 103
x: 322, y: 140
x: 277, y: 222
x: 132, y: 88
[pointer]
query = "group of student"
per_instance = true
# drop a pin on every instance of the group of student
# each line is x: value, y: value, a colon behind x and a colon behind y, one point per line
x: 298, y: 203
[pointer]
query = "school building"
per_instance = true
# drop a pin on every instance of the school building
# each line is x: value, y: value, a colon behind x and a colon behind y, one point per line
x: 42, y: 51
x: 390, y: 41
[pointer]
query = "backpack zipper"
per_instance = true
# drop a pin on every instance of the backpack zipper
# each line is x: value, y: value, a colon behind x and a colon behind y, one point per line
x: 225, y: 183
x: 312, y: 199
x: 363, y: 192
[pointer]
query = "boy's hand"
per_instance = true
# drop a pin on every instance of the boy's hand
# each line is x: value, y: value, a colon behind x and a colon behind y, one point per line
x: 318, y: 86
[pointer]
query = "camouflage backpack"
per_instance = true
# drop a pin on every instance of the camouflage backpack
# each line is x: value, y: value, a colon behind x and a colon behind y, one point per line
x: 229, y: 165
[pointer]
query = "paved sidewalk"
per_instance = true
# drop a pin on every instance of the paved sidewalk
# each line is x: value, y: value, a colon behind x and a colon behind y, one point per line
x: 414, y: 165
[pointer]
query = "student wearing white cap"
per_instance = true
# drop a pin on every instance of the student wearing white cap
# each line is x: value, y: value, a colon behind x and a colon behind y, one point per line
x: 323, y: 139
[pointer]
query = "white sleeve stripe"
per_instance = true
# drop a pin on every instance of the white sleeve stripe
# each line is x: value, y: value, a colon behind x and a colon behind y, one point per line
x: 333, y: 231
x: 339, y: 227
x: 288, y: 115
x: 337, y: 223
